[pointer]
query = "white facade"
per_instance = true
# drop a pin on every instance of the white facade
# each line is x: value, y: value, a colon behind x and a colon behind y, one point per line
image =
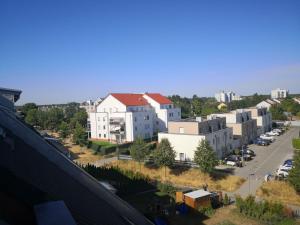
x: 227, y: 97
x: 185, y: 143
x: 279, y: 93
x: 268, y: 103
x: 125, y: 117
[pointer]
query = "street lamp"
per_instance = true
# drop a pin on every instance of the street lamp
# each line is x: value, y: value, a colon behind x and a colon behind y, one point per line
x: 249, y: 177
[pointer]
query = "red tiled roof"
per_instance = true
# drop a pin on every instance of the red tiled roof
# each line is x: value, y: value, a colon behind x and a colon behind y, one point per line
x: 159, y: 98
x: 131, y: 99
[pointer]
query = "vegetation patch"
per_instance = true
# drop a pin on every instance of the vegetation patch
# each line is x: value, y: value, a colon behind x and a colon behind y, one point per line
x: 279, y: 191
x: 266, y: 211
x: 296, y: 143
x: 184, y: 176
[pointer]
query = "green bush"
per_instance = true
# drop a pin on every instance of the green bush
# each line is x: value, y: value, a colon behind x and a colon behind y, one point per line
x: 207, y: 211
x: 107, y: 150
x: 268, y: 212
x: 95, y: 147
x: 296, y: 143
x: 226, y: 200
x: 166, y: 188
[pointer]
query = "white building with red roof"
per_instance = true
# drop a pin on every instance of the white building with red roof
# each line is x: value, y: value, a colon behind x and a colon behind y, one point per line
x: 124, y: 116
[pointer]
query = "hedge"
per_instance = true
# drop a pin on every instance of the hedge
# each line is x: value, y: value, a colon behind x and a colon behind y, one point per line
x: 296, y: 143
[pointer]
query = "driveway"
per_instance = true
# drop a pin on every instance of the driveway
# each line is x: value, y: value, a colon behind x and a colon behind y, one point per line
x: 267, y: 160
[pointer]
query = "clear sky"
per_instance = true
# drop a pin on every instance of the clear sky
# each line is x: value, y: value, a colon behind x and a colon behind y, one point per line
x: 58, y: 51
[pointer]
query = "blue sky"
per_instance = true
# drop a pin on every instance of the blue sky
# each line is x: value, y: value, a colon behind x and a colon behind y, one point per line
x: 58, y: 51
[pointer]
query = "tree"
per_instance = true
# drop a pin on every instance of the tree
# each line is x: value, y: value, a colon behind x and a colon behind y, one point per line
x: 64, y: 131
x: 79, y: 135
x: 294, y: 174
x: 79, y: 117
x: 164, y: 155
x: 205, y: 157
x: 139, y: 151
x: 31, y: 117
x: 54, y: 117
x: 70, y: 110
x: 277, y: 113
x: 28, y: 106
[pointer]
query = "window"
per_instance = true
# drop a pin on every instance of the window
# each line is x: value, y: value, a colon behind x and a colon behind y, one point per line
x: 104, y: 135
x: 103, y: 119
x: 170, y: 106
x: 157, y: 122
x: 104, y: 127
x: 135, y: 128
x: 135, y: 119
x: 99, y: 135
x: 181, y: 130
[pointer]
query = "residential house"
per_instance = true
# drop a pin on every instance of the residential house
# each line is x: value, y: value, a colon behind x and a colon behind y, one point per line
x: 263, y: 119
x: 10, y: 96
x: 243, y: 125
x: 268, y: 103
x: 185, y: 136
x: 125, y: 117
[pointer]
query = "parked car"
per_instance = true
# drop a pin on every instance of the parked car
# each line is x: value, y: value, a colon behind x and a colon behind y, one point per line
x: 233, y: 160
x: 288, y: 162
x: 280, y: 131
x: 261, y: 142
x: 267, y: 137
x: 249, y: 152
x: 272, y: 133
x: 282, y: 172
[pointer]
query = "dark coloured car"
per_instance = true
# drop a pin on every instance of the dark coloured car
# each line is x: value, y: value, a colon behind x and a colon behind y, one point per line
x: 262, y: 142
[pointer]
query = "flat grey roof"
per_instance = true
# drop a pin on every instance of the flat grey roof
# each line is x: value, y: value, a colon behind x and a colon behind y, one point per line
x: 197, y: 194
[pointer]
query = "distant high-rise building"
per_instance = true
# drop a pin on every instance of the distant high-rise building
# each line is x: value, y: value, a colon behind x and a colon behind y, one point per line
x: 227, y: 96
x: 279, y: 93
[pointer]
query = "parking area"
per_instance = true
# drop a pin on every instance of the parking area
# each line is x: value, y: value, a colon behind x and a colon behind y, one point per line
x: 267, y: 160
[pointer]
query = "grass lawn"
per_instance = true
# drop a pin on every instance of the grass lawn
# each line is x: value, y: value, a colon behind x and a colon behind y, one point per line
x: 279, y: 191
x: 183, y: 176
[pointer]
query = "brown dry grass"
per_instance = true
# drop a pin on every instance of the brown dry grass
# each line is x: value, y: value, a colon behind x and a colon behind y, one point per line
x: 189, y: 178
x: 279, y: 191
x: 229, y: 214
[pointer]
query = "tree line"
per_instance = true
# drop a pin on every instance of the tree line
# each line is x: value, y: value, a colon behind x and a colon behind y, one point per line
x: 203, y: 106
x: 69, y: 120
x: 287, y: 105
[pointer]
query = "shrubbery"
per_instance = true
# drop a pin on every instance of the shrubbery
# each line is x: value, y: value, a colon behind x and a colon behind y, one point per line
x: 166, y: 188
x: 125, y: 181
x: 268, y: 212
x: 207, y: 211
x: 296, y: 143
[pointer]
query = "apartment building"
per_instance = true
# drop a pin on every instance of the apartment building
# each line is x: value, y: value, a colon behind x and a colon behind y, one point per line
x: 227, y: 97
x: 124, y: 117
x: 186, y: 135
x: 263, y: 119
x: 279, y: 93
x: 243, y: 125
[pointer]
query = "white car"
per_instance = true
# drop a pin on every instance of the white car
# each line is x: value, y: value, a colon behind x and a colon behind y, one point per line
x: 282, y: 172
x: 267, y: 137
x: 273, y: 133
x: 285, y: 167
x: 279, y: 131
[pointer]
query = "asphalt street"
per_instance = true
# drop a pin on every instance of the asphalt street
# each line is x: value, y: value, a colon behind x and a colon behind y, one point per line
x: 267, y: 160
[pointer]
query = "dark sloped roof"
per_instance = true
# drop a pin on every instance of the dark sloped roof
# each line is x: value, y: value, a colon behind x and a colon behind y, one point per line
x: 39, y: 164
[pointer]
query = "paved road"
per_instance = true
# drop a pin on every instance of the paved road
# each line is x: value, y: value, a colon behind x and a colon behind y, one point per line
x: 266, y: 161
